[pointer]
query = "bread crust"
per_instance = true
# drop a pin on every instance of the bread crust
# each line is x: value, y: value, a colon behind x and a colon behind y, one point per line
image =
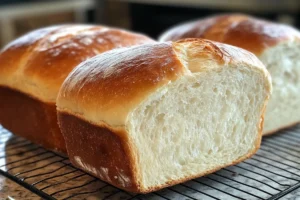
x: 97, y: 97
x: 101, y: 148
x: 34, y: 66
x: 252, y: 34
x: 38, y: 63
x: 106, y: 88
x: 30, y: 118
x: 114, y: 82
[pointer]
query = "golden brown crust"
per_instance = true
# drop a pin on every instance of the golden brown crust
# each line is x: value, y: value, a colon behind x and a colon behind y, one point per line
x: 211, y: 51
x: 106, y: 88
x: 31, y: 119
x: 252, y: 34
x: 38, y: 62
x: 114, y: 82
x: 99, y: 151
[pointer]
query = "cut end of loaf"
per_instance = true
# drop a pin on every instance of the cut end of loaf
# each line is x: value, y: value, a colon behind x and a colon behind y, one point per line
x: 283, y: 63
x: 197, y: 125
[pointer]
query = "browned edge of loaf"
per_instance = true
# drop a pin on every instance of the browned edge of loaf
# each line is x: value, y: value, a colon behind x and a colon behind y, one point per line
x: 281, y: 128
x: 244, y: 31
x: 30, y: 118
x: 101, y: 147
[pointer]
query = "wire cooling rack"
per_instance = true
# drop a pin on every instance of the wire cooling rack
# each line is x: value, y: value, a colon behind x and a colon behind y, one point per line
x: 273, y: 173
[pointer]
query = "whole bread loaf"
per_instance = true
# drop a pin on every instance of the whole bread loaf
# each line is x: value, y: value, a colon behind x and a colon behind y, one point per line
x: 34, y: 66
x: 276, y: 45
x: 150, y: 116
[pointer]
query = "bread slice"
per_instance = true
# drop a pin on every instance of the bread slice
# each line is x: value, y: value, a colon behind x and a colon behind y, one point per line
x: 151, y: 116
x: 276, y: 45
x: 283, y: 63
x: 33, y: 68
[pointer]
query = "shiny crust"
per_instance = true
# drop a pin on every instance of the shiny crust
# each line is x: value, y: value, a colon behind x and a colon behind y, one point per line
x: 96, y: 98
x: 114, y: 82
x: 252, y: 34
x: 34, y: 66
x: 38, y: 62
x: 106, y: 88
x: 30, y: 118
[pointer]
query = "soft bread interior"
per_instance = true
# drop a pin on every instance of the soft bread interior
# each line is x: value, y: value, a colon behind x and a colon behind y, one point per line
x: 283, y: 63
x: 197, y: 124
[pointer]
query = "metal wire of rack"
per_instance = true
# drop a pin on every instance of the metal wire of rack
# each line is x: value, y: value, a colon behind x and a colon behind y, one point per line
x: 272, y: 173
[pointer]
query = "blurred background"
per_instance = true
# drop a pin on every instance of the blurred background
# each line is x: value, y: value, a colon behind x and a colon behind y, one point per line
x: 151, y: 17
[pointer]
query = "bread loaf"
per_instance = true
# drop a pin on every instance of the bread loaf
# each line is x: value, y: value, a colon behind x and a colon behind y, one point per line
x: 150, y: 116
x: 33, y: 68
x: 276, y: 45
